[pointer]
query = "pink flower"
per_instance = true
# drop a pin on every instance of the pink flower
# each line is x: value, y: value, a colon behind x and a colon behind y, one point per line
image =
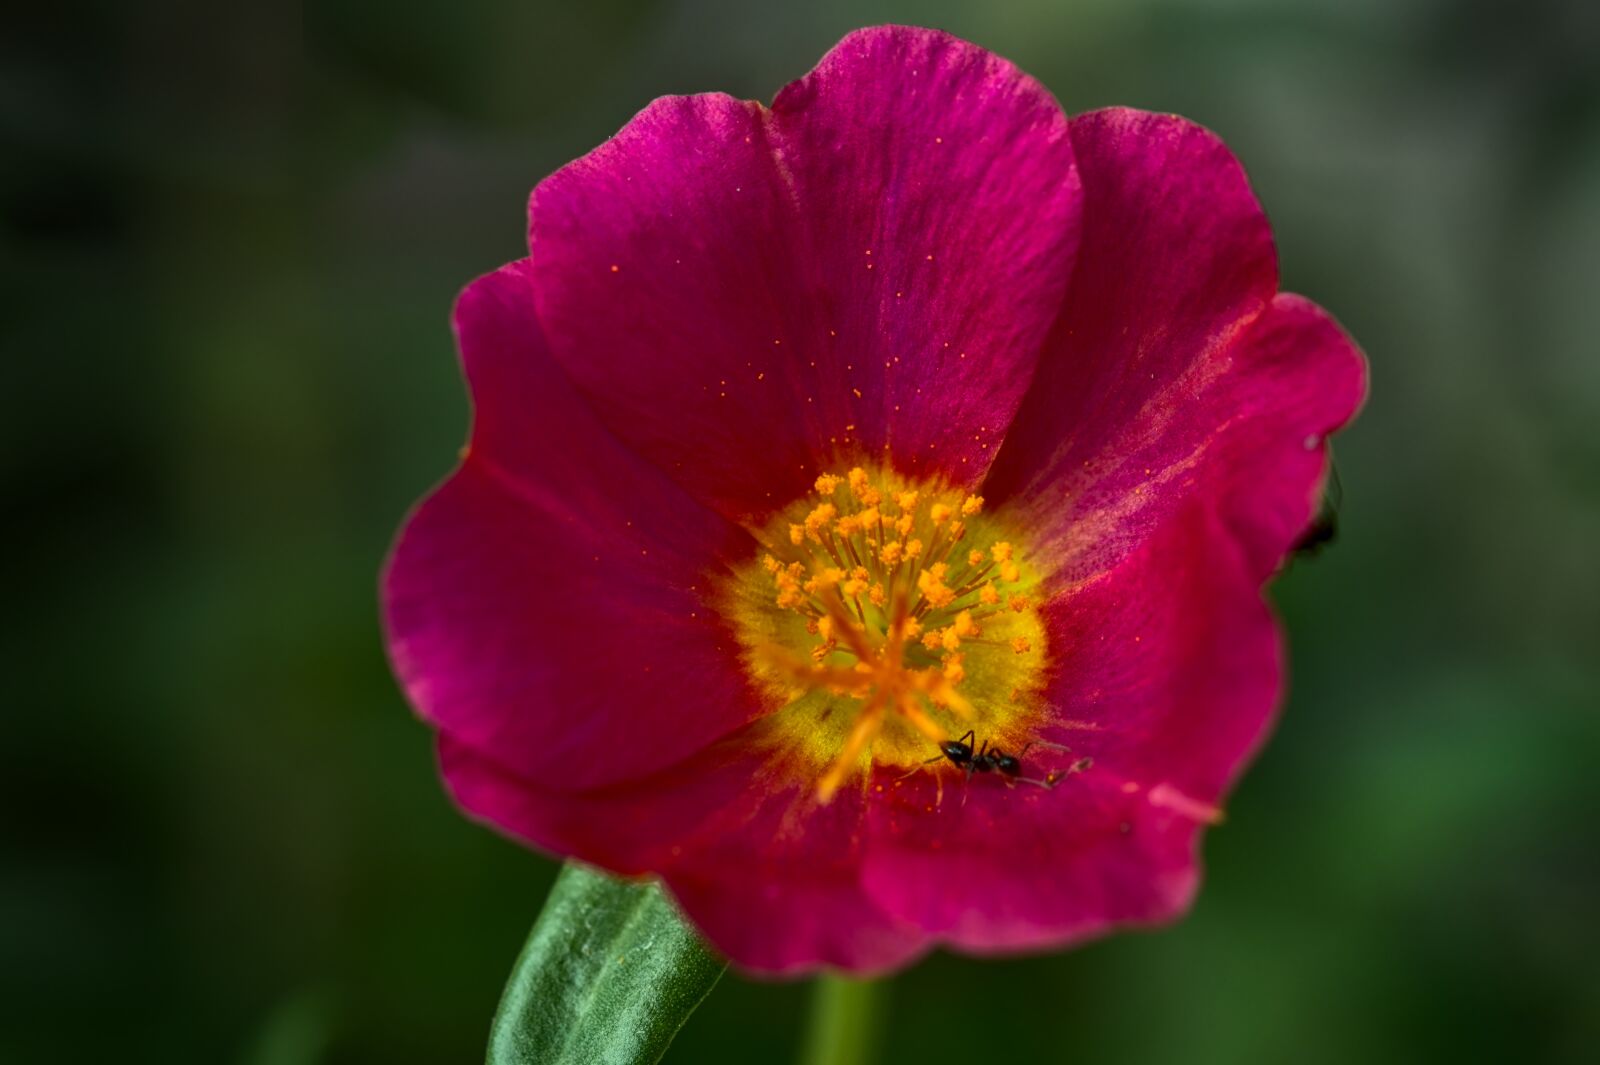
x: 810, y: 438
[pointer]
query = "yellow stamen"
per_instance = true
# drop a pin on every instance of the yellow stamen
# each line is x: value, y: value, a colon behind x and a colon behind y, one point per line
x: 870, y: 639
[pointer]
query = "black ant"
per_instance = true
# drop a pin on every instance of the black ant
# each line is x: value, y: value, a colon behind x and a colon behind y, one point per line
x: 1324, y: 528
x: 987, y: 759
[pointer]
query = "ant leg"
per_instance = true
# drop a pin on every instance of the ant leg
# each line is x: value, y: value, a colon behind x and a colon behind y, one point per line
x: 918, y: 768
x: 1056, y: 776
x: 967, y: 737
x: 1041, y: 743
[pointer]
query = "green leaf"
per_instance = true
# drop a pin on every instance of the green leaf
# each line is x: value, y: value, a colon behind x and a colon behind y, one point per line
x: 609, y: 974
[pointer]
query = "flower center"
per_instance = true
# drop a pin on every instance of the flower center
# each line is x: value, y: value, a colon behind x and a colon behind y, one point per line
x: 884, y: 617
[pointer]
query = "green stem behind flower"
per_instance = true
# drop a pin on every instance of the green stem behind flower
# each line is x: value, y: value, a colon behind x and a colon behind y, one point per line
x: 609, y: 974
x: 846, y: 1021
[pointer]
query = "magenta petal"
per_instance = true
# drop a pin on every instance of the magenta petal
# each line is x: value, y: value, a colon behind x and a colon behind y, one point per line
x: 1298, y: 378
x: 777, y: 888
x: 1027, y: 869
x: 769, y: 876
x: 1167, y: 676
x: 1175, y: 262
x: 744, y: 293
x: 551, y: 540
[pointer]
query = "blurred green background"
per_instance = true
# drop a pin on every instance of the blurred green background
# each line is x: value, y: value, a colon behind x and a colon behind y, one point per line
x: 231, y: 237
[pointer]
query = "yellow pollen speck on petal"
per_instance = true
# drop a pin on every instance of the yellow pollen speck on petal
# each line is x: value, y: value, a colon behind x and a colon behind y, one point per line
x: 1020, y: 645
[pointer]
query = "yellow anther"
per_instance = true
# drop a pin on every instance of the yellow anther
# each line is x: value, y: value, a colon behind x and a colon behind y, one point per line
x: 906, y: 523
x: 790, y: 597
x: 862, y: 489
x: 877, y: 596
x: 1019, y: 603
x: 907, y: 501
x: 1009, y: 572
x: 931, y: 584
x: 912, y: 628
x: 974, y: 558
x: 964, y: 625
x: 818, y: 521
x: 940, y: 513
x: 797, y: 535
x: 892, y: 553
x: 823, y: 650
x: 824, y: 580
x: 913, y: 549
x: 1021, y: 645
x: 770, y: 564
x: 869, y: 517
x: 848, y: 526
x: 949, y: 639
x: 853, y: 587
x: 827, y: 483
x: 932, y: 639
x: 954, y: 671
x: 972, y: 505
x: 1001, y: 551
x: 957, y: 530
x: 988, y: 595
x: 825, y: 628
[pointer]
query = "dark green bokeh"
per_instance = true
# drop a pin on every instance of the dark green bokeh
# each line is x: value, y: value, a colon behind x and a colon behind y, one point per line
x: 232, y: 234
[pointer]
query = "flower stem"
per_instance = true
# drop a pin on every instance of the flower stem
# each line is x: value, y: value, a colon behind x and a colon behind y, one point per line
x: 846, y: 1021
